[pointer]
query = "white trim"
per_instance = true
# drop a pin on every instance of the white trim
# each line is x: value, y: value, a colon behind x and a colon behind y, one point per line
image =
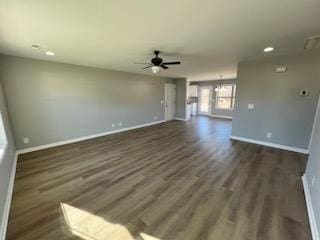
x: 284, y: 147
x: 314, y: 124
x: 5, y: 217
x: 181, y: 119
x: 204, y: 114
x: 73, y: 140
x: 220, y: 116
x: 312, y: 219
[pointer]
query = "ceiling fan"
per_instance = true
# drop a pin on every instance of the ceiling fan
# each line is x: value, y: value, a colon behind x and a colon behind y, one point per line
x: 157, y: 63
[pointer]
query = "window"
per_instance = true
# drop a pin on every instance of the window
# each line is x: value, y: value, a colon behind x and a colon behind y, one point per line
x: 3, y: 138
x: 225, y: 98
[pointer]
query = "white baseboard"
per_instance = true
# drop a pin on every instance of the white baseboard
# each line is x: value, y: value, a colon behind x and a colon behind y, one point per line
x: 312, y: 219
x: 284, y: 147
x: 5, y: 217
x: 73, y: 140
x: 219, y: 116
x: 181, y: 119
x: 215, y: 116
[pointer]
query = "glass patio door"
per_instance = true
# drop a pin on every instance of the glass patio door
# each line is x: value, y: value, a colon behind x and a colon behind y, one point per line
x: 205, y: 96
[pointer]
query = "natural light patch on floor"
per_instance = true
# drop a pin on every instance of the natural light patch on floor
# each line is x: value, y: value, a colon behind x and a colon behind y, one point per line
x: 88, y: 226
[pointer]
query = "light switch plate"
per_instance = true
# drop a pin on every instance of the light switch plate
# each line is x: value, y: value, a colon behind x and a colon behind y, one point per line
x: 250, y: 106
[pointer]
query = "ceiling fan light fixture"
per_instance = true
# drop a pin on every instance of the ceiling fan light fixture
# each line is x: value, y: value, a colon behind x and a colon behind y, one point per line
x: 268, y: 49
x: 155, y: 69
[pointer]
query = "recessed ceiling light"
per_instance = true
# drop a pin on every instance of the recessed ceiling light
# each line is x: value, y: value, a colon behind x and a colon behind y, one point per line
x: 50, y: 53
x: 35, y: 47
x: 268, y: 49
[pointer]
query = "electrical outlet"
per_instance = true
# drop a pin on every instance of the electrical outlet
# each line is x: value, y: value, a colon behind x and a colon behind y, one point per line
x: 155, y: 117
x: 25, y: 140
x: 281, y: 69
x: 313, y: 181
x: 269, y: 135
x: 113, y: 125
x: 250, y: 106
x: 120, y: 124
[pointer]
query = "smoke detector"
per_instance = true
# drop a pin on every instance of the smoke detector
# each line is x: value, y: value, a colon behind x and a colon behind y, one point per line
x: 312, y: 42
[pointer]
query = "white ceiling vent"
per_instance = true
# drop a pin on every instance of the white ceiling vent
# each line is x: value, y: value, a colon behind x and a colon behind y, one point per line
x: 312, y: 42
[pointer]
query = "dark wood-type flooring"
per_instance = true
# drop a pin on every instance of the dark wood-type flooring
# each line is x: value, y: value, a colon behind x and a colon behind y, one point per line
x: 176, y: 180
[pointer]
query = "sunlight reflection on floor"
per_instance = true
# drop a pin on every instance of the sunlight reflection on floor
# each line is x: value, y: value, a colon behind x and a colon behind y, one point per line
x: 91, y: 227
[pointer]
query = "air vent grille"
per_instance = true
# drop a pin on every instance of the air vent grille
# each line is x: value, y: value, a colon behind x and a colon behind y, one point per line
x: 312, y: 42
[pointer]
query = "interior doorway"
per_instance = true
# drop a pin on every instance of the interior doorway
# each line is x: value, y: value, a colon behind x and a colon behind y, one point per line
x: 170, y: 101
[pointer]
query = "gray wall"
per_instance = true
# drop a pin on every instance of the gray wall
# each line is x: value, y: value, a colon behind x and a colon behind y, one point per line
x: 50, y: 102
x: 214, y: 111
x: 278, y: 106
x: 6, y: 163
x: 181, y: 98
x: 313, y: 170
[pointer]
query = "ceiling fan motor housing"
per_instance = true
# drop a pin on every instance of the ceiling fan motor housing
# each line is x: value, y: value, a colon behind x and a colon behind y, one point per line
x: 156, y: 61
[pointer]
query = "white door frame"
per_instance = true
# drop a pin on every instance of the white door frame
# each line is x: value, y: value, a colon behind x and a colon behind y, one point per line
x: 166, y: 103
x: 210, y: 100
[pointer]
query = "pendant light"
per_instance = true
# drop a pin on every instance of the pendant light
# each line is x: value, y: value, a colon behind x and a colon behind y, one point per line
x: 219, y: 87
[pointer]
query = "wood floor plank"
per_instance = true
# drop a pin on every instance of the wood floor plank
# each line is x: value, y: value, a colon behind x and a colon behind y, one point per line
x: 176, y: 180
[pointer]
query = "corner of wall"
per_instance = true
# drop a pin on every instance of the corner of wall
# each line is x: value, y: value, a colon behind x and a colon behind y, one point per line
x: 312, y: 218
x: 5, y: 216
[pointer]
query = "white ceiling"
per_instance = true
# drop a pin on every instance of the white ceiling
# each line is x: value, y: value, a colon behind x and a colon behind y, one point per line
x: 209, y: 36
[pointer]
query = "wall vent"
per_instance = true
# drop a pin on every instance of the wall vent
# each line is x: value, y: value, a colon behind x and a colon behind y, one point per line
x: 312, y: 42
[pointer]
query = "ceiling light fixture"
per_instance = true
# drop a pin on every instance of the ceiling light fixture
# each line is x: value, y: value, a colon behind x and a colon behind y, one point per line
x: 155, y: 69
x: 220, y: 88
x: 50, y: 53
x: 268, y: 49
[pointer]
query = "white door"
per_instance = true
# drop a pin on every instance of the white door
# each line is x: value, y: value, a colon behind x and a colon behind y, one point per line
x: 169, y: 101
x: 205, y: 99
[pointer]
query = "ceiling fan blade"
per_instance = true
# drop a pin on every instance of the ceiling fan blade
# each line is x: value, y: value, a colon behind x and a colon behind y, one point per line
x: 141, y: 63
x: 164, y: 67
x: 171, y: 63
x: 147, y: 67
